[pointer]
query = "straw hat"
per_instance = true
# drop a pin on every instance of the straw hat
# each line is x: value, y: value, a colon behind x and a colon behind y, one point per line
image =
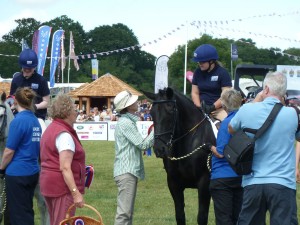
x: 124, y: 99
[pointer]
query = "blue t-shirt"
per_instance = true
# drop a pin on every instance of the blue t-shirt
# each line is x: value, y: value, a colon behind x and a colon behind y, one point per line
x: 274, y: 154
x: 38, y: 84
x: 220, y: 166
x: 24, y: 138
x: 210, y: 84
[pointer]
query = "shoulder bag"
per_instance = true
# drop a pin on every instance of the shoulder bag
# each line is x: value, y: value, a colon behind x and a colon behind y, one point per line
x: 239, y: 151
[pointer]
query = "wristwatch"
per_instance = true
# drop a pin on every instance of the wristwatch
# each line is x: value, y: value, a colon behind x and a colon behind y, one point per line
x: 74, y: 189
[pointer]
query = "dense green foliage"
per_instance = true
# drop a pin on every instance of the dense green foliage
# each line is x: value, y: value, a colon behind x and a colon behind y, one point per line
x: 134, y: 66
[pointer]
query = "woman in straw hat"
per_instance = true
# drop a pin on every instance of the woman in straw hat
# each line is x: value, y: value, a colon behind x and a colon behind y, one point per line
x: 129, y: 148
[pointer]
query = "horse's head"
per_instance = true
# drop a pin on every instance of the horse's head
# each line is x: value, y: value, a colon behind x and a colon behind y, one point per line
x: 164, y: 114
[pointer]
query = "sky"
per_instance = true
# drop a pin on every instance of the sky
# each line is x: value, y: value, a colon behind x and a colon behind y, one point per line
x: 162, y: 25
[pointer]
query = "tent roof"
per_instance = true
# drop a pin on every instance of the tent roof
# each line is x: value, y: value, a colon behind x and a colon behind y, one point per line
x: 73, y: 92
x: 105, y: 86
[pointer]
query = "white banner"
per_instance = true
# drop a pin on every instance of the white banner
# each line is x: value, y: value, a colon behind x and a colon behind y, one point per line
x: 111, y: 130
x: 105, y: 131
x: 91, y: 131
x: 161, y: 73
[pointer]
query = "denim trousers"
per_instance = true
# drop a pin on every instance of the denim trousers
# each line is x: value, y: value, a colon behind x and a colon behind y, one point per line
x: 279, y: 200
x: 127, y: 187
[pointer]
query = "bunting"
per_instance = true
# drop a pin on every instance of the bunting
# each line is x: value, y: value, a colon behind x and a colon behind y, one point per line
x: 63, y: 53
x: 161, y: 73
x: 94, y: 69
x: 42, y: 43
x: 72, y: 54
x: 35, y: 41
x: 234, y: 52
x: 55, y: 54
x: 207, y: 26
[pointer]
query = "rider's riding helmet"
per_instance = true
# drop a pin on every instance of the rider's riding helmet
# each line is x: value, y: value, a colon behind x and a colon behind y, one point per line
x: 28, y: 59
x: 205, y: 53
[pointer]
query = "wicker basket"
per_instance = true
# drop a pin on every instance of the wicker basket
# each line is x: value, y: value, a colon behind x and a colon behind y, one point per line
x: 87, y: 220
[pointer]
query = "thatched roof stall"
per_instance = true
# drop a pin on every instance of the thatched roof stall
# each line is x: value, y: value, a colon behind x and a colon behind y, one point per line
x: 73, y: 92
x: 101, y: 92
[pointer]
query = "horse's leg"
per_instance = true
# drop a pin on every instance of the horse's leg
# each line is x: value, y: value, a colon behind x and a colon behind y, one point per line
x: 203, y: 199
x: 178, y: 198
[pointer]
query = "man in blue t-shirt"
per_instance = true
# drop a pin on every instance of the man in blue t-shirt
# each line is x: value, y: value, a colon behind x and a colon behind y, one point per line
x: 30, y: 78
x: 272, y: 184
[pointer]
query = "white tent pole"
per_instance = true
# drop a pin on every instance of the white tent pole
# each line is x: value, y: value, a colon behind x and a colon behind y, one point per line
x: 69, y: 55
x: 185, y: 59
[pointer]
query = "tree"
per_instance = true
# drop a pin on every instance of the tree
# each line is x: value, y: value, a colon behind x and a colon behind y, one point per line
x: 9, y: 64
x: 131, y: 65
x: 24, y: 30
x: 248, y: 53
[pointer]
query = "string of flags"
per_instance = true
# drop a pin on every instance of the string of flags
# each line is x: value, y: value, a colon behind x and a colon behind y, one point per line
x: 206, y: 25
x: 198, y: 24
x: 294, y: 57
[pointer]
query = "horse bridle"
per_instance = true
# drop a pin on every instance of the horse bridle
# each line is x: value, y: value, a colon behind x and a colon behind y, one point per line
x: 172, y: 130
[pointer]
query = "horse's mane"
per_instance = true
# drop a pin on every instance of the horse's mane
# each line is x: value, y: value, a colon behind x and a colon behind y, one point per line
x: 185, y: 100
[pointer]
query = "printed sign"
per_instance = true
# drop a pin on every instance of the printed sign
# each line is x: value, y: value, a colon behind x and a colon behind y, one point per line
x: 91, y: 131
x: 105, y: 131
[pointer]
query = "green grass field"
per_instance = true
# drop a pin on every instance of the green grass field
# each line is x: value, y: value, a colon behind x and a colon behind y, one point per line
x: 154, y: 204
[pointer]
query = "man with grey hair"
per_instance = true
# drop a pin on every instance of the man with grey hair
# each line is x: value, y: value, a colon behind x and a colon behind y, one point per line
x: 272, y: 185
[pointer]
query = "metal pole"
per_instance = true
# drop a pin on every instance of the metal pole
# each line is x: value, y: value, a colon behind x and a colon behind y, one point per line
x: 185, y: 59
x: 231, y: 61
x: 231, y: 71
x: 70, y: 46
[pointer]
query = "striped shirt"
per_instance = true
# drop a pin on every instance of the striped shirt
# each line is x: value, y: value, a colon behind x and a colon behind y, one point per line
x: 129, y: 147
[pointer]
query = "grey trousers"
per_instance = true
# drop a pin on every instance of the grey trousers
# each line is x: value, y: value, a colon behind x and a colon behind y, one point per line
x: 127, y: 187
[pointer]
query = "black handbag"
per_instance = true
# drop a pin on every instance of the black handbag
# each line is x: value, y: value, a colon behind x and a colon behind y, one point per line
x: 239, y: 151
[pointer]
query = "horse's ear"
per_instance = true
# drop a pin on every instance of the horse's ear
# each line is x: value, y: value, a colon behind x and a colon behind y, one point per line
x: 149, y: 95
x: 3, y: 96
x: 169, y: 93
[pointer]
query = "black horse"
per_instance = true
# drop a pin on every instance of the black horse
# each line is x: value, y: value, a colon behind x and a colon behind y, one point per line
x: 181, y: 134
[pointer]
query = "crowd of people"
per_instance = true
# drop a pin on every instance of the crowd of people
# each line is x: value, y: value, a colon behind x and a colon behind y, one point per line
x: 49, y: 162
x: 110, y: 114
